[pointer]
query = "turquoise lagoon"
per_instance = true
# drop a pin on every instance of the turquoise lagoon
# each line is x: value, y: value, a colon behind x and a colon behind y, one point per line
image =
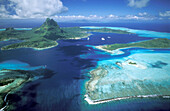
x: 18, y: 29
x: 148, y: 76
x: 17, y: 65
x: 66, y: 89
x: 133, y: 72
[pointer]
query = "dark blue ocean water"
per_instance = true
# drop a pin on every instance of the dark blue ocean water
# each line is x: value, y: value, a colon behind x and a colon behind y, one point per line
x: 65, y: 90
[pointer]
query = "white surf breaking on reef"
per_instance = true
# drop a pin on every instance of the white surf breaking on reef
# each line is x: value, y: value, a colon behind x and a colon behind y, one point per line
x: 92, y: 102
x: 146, y: 73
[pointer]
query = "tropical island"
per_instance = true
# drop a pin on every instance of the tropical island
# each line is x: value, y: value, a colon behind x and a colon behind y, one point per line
x: 154, y: 43
x: 39, y: 38
x: 106, y: 30
x: 47, y: 35
x: 100, y: 88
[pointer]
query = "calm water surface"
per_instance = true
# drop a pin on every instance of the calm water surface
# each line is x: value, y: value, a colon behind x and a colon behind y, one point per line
x: 65, y: 90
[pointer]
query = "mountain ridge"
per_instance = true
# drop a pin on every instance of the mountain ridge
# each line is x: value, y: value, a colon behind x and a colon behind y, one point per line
x: 50, y: 30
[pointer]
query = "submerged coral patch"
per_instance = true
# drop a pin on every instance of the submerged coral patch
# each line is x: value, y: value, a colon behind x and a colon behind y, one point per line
x: 134, y: 78
x: 159, y: 64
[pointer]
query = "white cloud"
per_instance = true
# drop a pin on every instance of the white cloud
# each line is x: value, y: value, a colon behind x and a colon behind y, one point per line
x: 94, y: 18
x: 37, y: 13
x: 78, y: 17
x: 135, y: 17
x: 165, y: 14
x: 138, y: 3
x: 132, y: 17
x: 36, y: 8
x: 3, y: 12
x: 3, y: 9
x: 88, y: 18
x: 143, y: 14
x: 112, y: 16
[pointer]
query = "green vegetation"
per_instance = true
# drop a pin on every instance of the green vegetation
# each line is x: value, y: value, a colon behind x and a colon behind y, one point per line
x: 75, y: 32
x: 107, y: 30
x: 38, y: 44
x: 133, y: 63
x: 5, y: 82
x: 47, y: 34
x: 50, y: 30
x: 11, y: 80
x: 42, y: 37
x: 154, y: 43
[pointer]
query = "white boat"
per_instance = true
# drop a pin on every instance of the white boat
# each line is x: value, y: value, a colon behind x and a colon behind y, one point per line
x: 102, y: 38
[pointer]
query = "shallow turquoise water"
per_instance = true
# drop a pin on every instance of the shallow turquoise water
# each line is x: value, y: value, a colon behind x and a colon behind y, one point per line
x: 18, y: 29
x: 65, y: 90
x: 17, y: 65
x: 155, y: 62
x: 2, y: 29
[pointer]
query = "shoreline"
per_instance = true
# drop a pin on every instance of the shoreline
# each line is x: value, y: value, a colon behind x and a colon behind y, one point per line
x: 43, y: 48
x: 117, y: 51
x: 101, y: 48
x: 77, y: 38
x: 38, y: 49
x: 90, y: 96
x: 92, y: 102
x: 5, y: 101
x: 12, y: 90
x: 113, y: 52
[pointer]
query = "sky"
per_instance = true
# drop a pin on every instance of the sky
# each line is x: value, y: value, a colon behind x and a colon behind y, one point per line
x: 86, y: 10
